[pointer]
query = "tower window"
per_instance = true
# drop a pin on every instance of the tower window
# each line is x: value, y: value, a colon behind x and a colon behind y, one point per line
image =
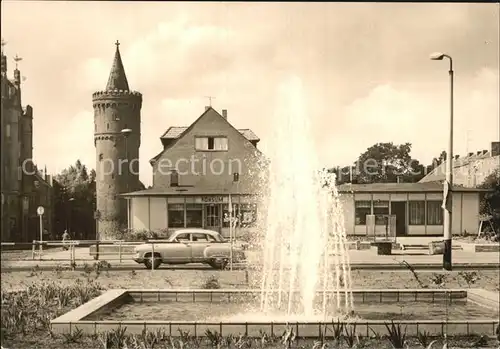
x: 101, y: 156
x: 107, y: 126
x: 7, y: 131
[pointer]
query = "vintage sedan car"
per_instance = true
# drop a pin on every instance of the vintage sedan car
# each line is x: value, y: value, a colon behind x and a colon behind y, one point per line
x: 189, y: 246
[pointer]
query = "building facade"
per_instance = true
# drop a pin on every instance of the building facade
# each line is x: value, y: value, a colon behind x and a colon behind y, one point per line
x: 23, y: 187
x: 417, y: 208
x: 201, y: 169
x: 470, y: 170
x: 117, y: 138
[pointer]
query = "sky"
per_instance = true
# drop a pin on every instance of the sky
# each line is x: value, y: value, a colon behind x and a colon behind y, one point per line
x: 364, y: 68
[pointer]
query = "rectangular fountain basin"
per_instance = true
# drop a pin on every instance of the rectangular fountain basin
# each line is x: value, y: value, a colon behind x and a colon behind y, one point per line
x: 469, y: 312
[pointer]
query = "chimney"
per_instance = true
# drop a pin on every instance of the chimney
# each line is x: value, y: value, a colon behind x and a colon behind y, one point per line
x: 495, y: 148
x: 207, y: 107
x: 224, y: 113
x: 174, y: 178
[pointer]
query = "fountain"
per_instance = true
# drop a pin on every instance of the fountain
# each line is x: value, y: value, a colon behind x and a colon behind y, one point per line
x: 306, y: 276
x: 304, y: 227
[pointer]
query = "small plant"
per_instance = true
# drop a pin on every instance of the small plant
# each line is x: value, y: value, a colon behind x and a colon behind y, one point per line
x: 118, y: 337
x: 184, y: 335
x: 151, y: 339
x: 337, y: 330
x: 106, y: 340
x: 214, y: 337
x: 438, y: 280
x: 211, y: 283
x: 58, y: 270
x: 321, y: 342
x: 35, y: 271
x: 350, y: 336
x: 481, y: 342
x: 396, y: 337
x: 263, y: 339
x: 87, y: 269
x: 469, y: 277
x: 73, y: 337
x: 375, y: 335
x: 414, y: 273
x: 101, y: 266
x: 243, y: 342
x: 228, y: 340
x: 423, y: 338
x: 288, y: 337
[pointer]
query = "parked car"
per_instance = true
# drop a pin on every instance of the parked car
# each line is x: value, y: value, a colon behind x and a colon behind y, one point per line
x: 189, y: 246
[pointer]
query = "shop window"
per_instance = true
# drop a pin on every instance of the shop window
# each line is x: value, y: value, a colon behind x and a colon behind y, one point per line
x: 381, y: 211
x: 434, y: 213
x: 416, y: 212
x: 194, y: 215
x: 362, y: 209
x: 176, y: 215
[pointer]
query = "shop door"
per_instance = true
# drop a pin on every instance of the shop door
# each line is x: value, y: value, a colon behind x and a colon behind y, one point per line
x: 212, y: 216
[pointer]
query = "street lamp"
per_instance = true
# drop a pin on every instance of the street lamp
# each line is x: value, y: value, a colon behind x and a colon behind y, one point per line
x: 448, y: 184
x: 70, y: 208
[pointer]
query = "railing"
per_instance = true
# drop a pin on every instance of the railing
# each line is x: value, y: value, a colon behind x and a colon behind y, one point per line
x: 120, y: 255
x: 72, y: 244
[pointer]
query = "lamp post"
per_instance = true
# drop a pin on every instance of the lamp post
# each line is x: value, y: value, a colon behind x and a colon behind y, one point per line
x: 448, y: 184
x: 126, y: 133
x: 70, y: 208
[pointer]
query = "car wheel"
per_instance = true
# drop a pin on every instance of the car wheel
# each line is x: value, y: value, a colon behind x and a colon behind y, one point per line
x: 219, y: 263
x: 156, y: 262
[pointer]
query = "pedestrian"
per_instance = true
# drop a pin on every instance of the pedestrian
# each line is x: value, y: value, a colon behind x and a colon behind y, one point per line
x: 65, y: 237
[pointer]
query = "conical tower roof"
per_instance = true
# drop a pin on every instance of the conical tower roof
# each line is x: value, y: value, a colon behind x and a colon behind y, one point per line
x: 117, y: 78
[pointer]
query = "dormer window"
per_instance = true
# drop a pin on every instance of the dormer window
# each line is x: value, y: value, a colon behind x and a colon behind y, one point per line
x: 211, y: 143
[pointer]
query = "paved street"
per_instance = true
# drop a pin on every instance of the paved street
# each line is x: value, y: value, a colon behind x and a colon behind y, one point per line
x: 358, y: 259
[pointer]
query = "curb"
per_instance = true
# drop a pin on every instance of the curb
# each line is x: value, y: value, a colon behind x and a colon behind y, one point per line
x: 356, y: 266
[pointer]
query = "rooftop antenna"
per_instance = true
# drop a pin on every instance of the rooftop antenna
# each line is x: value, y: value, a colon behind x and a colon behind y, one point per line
x: 210, y: 100
x: 467, y: 141
x: 17, y: 59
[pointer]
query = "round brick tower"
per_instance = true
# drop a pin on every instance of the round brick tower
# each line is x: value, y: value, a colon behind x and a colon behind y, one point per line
x: 117, y: 138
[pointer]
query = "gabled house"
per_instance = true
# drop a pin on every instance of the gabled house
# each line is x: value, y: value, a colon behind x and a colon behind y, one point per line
x: 194, y: 175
